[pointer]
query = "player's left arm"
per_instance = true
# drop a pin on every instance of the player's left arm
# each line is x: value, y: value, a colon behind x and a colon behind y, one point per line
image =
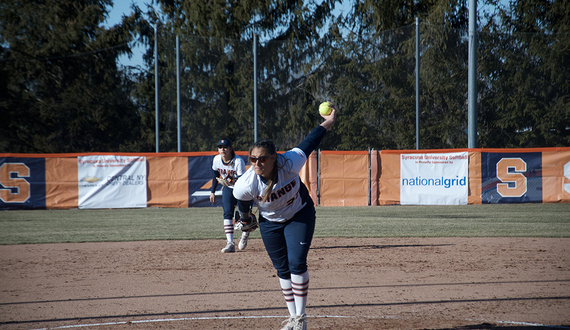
x: 244, y: 209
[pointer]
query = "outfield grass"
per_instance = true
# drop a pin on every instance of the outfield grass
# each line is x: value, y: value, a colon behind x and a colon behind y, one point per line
x: 506, y: 220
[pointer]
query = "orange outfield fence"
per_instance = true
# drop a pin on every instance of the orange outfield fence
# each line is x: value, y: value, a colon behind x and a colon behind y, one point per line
x: 334, y: 178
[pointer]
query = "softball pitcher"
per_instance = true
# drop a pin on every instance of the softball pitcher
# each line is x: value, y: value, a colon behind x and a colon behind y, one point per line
x: 286, y: 213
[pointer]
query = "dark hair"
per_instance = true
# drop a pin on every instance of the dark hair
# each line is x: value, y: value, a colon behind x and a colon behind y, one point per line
x: 265, y: 144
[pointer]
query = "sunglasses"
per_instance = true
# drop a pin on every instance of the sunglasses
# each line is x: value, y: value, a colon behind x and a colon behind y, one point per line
x: 261, y: 159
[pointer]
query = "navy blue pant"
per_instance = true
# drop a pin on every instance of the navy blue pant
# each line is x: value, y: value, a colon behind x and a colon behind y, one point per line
x: 288, y: 243
x: 228, y: 203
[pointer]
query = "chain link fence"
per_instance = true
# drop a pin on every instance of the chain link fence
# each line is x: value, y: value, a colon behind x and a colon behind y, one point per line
x: 523, y: 90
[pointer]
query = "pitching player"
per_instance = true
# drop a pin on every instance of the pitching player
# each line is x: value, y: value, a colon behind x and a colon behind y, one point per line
x: 286, y: 213
x: 227, y: 168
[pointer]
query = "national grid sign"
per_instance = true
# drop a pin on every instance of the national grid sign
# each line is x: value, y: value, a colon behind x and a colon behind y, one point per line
x: 434, y: 179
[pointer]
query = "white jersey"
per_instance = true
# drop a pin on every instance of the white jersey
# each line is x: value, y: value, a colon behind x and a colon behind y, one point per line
x: 234, y: 169
x: 285, y: 201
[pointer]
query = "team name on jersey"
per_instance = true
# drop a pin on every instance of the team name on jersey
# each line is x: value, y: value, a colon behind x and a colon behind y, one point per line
x: 281, y: 192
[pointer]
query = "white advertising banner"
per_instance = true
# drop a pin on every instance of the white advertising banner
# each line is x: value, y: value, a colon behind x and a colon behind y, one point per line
x: 434, y: 179
x: 112, y: 181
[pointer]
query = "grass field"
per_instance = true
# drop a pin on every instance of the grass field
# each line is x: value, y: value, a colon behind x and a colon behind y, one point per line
x: 106, y: 225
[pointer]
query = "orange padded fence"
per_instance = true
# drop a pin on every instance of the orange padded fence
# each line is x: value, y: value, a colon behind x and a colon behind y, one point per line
x: 344, y: 178
x: 556, y: 176
x: 334, y: 178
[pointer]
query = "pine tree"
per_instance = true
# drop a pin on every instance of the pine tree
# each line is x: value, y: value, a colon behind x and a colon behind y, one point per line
x: 61, y: 88
x: 217, y: 70
x: 526, y: 52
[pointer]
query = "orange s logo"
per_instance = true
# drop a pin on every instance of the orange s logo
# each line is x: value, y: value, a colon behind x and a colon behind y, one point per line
x: 21, y: 185
x: 511, y: 170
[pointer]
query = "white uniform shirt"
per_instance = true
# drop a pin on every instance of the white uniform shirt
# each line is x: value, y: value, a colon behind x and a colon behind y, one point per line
x: 285, y: 200
x: 234, y: 169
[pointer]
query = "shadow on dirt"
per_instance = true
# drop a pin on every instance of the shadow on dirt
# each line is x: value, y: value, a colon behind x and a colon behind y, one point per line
x: 374, y: 246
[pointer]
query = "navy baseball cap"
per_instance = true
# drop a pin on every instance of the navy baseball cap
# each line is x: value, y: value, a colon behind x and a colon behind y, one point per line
x: 224, y: 143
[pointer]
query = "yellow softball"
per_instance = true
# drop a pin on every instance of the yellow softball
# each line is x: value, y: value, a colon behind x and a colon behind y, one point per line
x: 325, y: 108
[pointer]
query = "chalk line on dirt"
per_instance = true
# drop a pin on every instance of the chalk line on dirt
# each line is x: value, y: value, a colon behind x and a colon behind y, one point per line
x: 273, y: 316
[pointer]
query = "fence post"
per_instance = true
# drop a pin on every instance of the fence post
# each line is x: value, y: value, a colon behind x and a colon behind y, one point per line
x: 417, y: 83
x: 369, y: 177
x: 472, y: 77
x: 156, y: 85
x: 178, y: 91
x: 319, y: 177
x: 255, y: 87
x: 374, y: 177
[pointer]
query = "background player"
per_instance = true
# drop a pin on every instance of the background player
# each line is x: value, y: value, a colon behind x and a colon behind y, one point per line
x: 287, y: 213
x: 227, y: 168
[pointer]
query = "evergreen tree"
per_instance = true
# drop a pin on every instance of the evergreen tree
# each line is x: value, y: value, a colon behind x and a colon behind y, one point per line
x: 444, y: 77
x: 375, y: 75
x: 60, y: 87
x: 217, y: 70
x: 363, y: 61
x: 526, y: 65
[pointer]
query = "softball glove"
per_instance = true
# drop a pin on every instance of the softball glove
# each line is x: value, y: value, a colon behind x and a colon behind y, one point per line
x: 227, y: 181
x: 246, y: 226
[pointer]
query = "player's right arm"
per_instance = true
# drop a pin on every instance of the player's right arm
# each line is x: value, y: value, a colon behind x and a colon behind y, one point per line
x: 215, y: 175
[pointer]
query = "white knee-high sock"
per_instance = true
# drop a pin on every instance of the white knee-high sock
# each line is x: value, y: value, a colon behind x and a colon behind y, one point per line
x: 300, y: 285
x: 229, y: 229
x: 288, y: 294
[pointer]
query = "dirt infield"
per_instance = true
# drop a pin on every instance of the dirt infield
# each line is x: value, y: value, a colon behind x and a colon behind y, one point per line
x: 379, y: 283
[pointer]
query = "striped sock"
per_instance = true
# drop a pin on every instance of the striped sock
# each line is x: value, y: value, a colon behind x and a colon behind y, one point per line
x: 229, y: 228
x: 300, y: 285
x: 288, y: 294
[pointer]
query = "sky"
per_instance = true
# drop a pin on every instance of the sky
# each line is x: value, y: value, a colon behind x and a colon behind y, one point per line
x: 120, y: 8
x: 123, y: 7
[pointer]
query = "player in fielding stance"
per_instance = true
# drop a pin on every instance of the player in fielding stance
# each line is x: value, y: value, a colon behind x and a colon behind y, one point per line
x: 227, y: 168
x: 286, y: 213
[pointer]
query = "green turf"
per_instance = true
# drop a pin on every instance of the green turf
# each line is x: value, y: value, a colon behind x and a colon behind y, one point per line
x: 514, y: 220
